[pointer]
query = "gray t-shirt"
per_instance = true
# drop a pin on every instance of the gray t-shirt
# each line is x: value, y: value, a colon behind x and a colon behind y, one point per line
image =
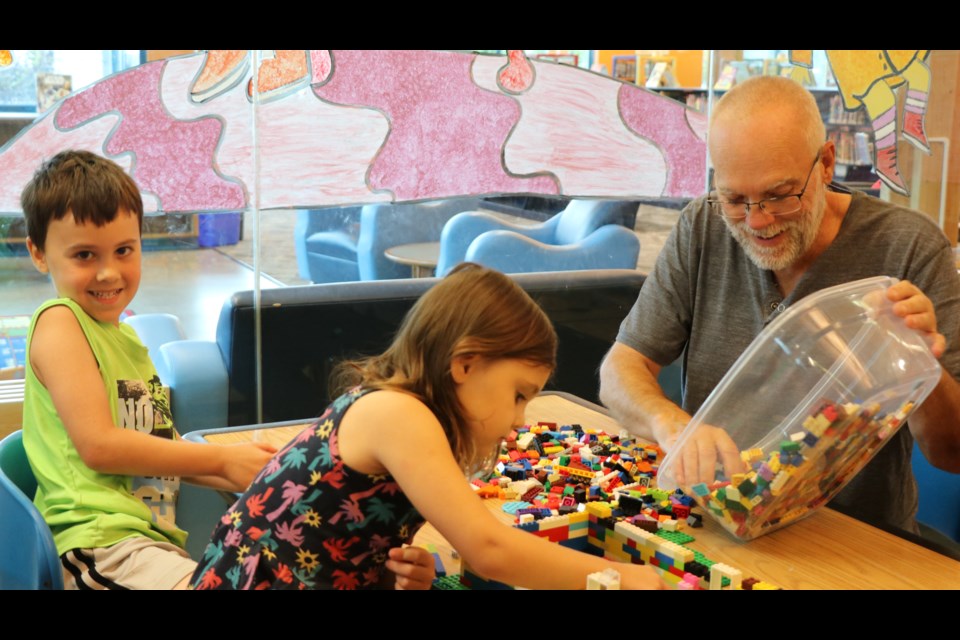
x: 707, y: 301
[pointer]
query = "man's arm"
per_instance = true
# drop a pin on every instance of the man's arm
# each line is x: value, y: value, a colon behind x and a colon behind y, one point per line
x: 936, y: 423
x: 629, y: 388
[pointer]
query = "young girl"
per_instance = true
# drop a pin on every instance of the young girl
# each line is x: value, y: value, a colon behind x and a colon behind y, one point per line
x: 392, y: 452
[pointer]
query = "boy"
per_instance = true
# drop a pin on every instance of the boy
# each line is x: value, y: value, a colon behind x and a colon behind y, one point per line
x: 97, y: 428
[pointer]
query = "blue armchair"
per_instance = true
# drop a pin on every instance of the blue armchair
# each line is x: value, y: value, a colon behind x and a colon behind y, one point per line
x: 588, y: 234
x: 346, y: 245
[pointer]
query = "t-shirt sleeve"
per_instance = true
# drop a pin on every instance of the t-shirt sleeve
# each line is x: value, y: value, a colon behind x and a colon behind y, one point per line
x: 937, y: 278
x: 658, y: 325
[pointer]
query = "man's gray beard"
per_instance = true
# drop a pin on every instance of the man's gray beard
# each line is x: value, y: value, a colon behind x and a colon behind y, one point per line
x: 801, y: 233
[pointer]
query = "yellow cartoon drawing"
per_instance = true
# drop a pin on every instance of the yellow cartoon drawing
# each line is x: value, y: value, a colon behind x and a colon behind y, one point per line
x: 867, y: 79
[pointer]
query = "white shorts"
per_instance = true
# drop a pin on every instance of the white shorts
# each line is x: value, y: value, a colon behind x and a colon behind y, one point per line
x: 136, y: 563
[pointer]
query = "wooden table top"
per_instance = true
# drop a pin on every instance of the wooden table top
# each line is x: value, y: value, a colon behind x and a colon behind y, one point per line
x: 826, y: 550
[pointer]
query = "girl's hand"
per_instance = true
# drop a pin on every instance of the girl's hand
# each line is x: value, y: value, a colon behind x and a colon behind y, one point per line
x: 413, y: 566
x: 635, y: 576
x: 244, y: 462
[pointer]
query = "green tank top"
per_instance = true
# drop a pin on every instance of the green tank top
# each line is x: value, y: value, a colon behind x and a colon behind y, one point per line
x: 86, y: 509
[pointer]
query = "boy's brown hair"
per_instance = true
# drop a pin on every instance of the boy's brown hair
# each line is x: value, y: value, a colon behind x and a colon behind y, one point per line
x: 90, y: 187
x: 472, y: 311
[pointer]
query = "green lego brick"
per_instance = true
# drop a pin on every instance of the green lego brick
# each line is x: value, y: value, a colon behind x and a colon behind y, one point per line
x: 449, y: 583
x: 676, y: 537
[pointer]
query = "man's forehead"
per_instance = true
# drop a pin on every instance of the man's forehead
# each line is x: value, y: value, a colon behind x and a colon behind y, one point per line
x: 759, y: 165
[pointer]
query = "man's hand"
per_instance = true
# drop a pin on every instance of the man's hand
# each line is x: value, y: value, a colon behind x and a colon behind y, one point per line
x: 697, y: 459
x: 918, y: 313
x: 413, y: 566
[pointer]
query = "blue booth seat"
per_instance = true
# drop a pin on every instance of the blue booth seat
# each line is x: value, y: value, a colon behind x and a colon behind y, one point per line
x: 587, y: 234
x: 939, y: 496
x: 307, y: 330
x: 28, y: 557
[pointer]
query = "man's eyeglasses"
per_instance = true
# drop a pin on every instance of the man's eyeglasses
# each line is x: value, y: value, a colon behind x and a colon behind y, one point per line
x: 778, y: 206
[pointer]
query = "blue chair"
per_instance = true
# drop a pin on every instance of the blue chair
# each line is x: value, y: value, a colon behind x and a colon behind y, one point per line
x: 939, y: 496
x: 325, y: 242
x: 587, y: 234
x: 28, y: 557
x: 338, y: 253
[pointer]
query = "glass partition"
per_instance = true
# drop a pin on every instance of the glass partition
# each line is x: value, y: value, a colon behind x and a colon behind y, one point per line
x: 322, y: 169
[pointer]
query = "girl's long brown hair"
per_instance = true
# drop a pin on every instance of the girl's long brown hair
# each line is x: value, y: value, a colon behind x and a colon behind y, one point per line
x: 474, y: 310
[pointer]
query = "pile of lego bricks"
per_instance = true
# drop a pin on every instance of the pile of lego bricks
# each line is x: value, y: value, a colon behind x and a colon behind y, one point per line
x: 802, y: 472
x: 596, y: 493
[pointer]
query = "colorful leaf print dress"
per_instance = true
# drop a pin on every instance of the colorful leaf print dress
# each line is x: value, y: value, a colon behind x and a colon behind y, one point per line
x: 308, y: 521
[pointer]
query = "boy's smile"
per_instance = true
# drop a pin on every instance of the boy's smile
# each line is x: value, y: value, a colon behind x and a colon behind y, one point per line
x: 96, y: 267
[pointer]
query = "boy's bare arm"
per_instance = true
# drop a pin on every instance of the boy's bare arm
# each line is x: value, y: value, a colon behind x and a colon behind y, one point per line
x: 63, y: 362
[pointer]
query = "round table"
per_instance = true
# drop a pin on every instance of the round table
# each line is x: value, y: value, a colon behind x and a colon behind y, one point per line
x: 420, y: 256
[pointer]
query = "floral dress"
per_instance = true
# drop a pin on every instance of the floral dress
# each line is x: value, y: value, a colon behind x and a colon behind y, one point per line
x: 308, y: 521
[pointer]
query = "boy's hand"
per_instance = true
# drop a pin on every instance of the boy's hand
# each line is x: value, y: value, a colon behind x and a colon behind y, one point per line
x: 244, y: 462
x: 413, y: 566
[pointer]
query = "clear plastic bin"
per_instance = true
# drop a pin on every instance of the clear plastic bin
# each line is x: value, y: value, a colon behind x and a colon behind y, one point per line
x: 806, y: 406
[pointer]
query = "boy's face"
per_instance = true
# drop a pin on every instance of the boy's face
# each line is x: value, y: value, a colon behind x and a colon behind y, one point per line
x: 96, y: 267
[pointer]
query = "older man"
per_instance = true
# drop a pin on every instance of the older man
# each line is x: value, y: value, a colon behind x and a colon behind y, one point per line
x: 771, y: 234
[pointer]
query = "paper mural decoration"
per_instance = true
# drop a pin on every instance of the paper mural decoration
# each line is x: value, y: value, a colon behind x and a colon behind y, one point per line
x: 867, y: 80
x: 342, y: 127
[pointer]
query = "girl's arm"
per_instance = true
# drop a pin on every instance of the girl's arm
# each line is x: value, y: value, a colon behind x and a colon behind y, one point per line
x: 401, y: 433
x: 65, y: 365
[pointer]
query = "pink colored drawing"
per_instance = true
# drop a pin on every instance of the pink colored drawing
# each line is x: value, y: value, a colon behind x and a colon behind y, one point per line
x: 661, y: 121
x: 446, y: 133
x: 23, y: 154
x: 517, y: 75
x: 174, y: 159
x: 320, y: 66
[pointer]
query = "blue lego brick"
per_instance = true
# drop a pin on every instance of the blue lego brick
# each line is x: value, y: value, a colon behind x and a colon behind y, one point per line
x: 578, y: 544
x: 438, y: 567
x: 664, y: 560
x: 513, y: 507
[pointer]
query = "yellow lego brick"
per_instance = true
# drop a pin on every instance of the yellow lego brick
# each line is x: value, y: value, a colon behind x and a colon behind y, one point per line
x: 680, y: 554
x: 764, y: 586
x: 616, y: 555
x: 669, y: 578
x: 580, y: 516
x: 599, y: 509
x: 633, y: 532
x: 552, y: 522
x: 774, y: 462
